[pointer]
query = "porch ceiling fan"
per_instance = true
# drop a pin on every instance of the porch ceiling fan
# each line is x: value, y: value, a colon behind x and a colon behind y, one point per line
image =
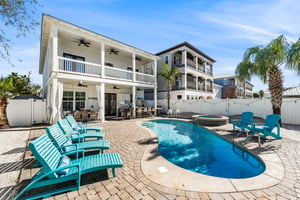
x: 82, y: 42
x: 138, y: 58
x: 113, y: 51
x: 116, y: 88
x: 82, y: 84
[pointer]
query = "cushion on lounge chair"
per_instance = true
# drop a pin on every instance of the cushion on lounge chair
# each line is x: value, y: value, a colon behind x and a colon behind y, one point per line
x: 64, y: 161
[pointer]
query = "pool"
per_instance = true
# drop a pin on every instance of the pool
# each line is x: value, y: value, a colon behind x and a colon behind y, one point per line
x: 199, y: 150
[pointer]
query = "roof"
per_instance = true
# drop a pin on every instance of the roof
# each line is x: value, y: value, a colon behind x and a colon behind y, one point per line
x: 292, y: 92
x: 189, y: 46
x: 27, y: 96
x: 45, y: 33
x: 221, y: 76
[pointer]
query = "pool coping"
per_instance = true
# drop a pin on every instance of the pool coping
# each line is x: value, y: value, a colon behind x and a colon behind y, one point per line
x: 161, y: 171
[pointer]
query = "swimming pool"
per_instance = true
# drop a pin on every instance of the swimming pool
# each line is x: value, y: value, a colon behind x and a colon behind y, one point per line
x: 199, y: 150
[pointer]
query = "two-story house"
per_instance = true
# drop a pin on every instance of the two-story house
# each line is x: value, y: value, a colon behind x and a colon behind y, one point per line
x: 84, y: 70
x: 196, y: 72
x: 232, y: 87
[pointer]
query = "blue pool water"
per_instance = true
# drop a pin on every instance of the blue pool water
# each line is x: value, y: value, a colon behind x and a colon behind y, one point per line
x: 199, y: 150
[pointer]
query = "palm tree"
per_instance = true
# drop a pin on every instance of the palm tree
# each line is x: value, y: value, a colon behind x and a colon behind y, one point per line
x: 265, y: 62
x: 6, y: 86
x: 169, y: 74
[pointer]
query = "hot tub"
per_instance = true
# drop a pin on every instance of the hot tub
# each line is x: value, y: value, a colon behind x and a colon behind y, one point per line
x: 210, y: 120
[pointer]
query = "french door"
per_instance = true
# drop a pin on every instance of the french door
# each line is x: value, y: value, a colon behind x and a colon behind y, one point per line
x: 110, y: 104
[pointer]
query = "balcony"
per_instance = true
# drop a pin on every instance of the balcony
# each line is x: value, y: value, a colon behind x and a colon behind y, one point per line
x: 191, y: 63
x: 87, y: 68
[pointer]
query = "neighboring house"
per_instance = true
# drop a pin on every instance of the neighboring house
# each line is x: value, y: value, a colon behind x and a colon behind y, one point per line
x: 217, y: 91
x: 292, y: 92
x: 232, y: 87
x: 196, y: 78
x: 83, y: 70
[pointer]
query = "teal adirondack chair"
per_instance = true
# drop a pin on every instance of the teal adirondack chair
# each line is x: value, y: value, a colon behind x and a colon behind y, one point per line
x: 64, y: 144
x: 58, y: 168
x: 75, y: 135
x: 245, y: 122
x: 78, y: 125
x: 271, y: 123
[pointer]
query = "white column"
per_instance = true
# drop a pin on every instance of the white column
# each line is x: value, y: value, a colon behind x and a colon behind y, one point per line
x: 53, y: 101
x: 133, y: 67
x: 196, y: 82
x: 184, y: 60
x: 196, y: 62
x: 133, y: 100
x: 155, y: 99
x: 54, y: 35
x: 102, y: 59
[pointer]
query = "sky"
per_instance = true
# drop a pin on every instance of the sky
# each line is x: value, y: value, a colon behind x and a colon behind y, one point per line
x: 222, y: 29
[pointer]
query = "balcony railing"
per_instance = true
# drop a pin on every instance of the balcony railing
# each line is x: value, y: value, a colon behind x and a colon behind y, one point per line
x: 81, y: 67
x: 191, y: 63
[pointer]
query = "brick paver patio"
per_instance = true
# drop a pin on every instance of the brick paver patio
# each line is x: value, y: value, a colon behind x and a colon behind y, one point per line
x: 129, y: 139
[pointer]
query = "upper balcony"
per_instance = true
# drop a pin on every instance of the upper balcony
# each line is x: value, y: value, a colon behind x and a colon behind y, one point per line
x: 93, y: 69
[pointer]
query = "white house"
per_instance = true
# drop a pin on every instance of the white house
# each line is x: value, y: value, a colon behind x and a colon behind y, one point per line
x: 196, y: 72
x: 83, y: 70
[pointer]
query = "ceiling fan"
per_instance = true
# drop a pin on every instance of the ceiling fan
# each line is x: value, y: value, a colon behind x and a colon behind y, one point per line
x: 82, y: 84
x: 138, y: 58
x: 82, y: 42
x: 113, y: 51
x: 115, y: 87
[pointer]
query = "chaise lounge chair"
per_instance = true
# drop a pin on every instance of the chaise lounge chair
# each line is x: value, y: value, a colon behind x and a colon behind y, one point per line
x: 64, y: 144
x: 75, y: 135
x: 58, y: 168
x: 78, y: 126
x: 271, y: 122
x: 244, y: 123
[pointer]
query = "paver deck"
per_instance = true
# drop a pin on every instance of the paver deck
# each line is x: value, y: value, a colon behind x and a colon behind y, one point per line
x: 131, y: 140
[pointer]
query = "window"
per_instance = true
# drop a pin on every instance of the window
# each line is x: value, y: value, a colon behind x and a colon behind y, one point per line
x: 74, y: 66
x: 225, y: 81
x: 166, y: 59
x: 67, y: 103
x: 179, y: 96
x: 79, y: 100
x: 73, y: 100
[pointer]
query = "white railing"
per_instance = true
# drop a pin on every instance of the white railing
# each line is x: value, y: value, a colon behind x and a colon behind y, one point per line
x: 260, y: 107
x: 82, y: 67
x: 146, y: 78
x: 118, y: 73
x: 77, y: 66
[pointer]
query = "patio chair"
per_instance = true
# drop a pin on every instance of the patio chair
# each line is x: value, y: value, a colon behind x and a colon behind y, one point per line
x: 78, y: 126
x: 271, y: 122
x: 139, y: 112
x: 93, y: 115
x: 58, y: 168
x: 244, y: 123
x: 65, y: 144
x: 85, y: 116
x: 75, y: 135
x: 77, y: 115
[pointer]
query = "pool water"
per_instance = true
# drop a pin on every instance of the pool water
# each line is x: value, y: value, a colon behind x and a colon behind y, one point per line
x: 199, y: 150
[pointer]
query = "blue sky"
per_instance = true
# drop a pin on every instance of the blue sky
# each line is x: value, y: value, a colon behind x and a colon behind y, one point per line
x: 223, y: 29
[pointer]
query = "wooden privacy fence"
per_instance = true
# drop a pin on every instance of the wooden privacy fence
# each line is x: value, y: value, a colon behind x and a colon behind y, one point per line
x: 290, y: 111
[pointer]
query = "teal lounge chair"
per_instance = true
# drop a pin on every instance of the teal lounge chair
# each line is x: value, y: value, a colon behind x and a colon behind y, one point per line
x: 77, y: 126
x: 58, y: 168
x: 64, y: 144
x: 245, y: 122
x: 271, y: 123
x: 75, y: 135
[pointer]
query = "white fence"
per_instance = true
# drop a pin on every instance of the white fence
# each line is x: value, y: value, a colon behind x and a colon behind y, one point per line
x: 290, y: 111
x: 26, y: 112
